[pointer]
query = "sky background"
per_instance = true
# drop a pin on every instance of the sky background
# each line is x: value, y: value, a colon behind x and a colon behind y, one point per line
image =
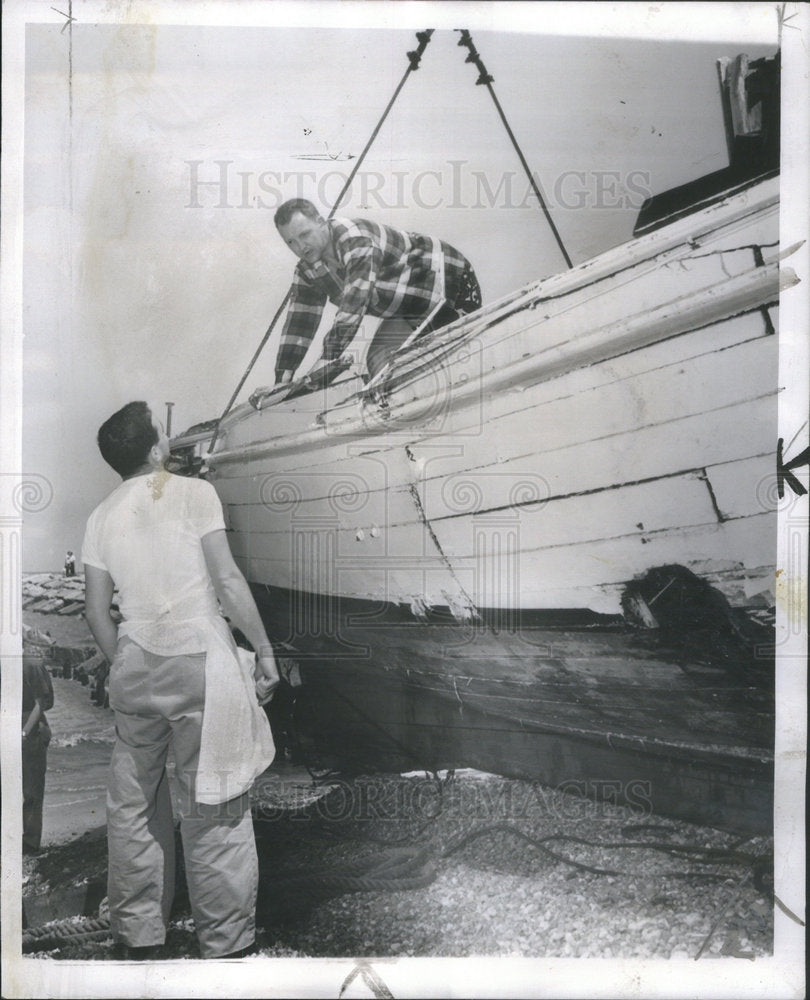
x: 140, y: 283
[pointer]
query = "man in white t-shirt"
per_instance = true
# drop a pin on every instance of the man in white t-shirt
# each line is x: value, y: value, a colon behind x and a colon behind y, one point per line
x: 176, y: 678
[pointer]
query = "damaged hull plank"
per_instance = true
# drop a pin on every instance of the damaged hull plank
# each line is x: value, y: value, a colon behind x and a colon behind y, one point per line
x: 588, y: 574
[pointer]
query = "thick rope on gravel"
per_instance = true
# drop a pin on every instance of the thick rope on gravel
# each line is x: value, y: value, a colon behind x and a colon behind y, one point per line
x: 67, y: 931
x: 392, y: 870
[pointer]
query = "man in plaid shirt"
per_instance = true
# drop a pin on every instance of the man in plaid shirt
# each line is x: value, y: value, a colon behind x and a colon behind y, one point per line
x: 366, y: 269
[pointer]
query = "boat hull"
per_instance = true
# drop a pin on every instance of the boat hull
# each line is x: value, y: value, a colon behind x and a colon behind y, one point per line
x: 592, y: 707
x: 539, y: 458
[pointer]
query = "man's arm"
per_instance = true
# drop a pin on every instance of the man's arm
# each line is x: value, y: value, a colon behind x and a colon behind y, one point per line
x: 361, y: 259
x: 303, y: 319
x: 33, y: 719
x: 236, y: 599
x: 98, y: 592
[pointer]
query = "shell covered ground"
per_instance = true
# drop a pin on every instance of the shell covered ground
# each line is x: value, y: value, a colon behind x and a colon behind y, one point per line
x: 466, y: 865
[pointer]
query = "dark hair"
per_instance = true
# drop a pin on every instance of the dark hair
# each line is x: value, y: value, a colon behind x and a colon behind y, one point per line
x: 286, y: 211
x: 126, y: 438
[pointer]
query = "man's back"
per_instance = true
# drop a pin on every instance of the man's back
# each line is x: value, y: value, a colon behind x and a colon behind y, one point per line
x: 147, y: 535
x: 176, y: 679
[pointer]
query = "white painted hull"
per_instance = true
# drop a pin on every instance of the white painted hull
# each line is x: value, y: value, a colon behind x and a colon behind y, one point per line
x: 547, y: 450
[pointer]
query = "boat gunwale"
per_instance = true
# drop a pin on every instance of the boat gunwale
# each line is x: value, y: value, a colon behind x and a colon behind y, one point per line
x: 738, y: 295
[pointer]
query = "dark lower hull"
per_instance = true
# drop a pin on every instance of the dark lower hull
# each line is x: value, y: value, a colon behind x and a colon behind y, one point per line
x: 568, y: 700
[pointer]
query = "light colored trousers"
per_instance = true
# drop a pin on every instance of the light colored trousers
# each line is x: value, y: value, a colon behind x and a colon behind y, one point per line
x: 159, y: 700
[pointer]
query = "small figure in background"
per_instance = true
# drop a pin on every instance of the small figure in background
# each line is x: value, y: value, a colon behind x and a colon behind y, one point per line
x: 70, y: 564
x: 37, y: 699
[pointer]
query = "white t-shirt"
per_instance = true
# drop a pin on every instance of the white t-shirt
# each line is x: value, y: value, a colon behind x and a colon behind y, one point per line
x: 147, y: 535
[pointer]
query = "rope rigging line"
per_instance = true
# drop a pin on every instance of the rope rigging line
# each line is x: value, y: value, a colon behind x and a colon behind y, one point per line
x: 414, y: 58
x: 485, y: 79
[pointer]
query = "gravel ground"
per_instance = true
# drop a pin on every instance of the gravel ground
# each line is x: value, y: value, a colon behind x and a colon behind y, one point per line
x: 507, y: 868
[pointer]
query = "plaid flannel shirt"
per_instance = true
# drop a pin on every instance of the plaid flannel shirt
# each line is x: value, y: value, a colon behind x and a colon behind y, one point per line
x: 382, y: 272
